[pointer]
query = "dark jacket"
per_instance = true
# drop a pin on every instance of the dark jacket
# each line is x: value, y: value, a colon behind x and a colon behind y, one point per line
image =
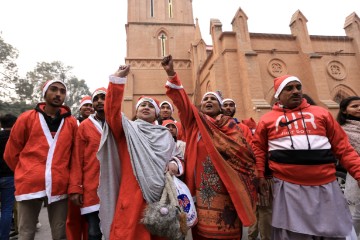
x: 5, y: 171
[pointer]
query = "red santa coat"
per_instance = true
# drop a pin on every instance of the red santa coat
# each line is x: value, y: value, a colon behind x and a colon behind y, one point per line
x: 246, y: 131
x: 40, y: 162
x: 84, y: 177
x: 130, y: 203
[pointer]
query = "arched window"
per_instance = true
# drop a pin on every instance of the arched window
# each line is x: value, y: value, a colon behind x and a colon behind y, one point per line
x: 151, y: 8
x: 171, y: 9
x: 163, y: 46
x: 340, y: 96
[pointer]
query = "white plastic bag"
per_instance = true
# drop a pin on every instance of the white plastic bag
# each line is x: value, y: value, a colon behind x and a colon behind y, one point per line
x: 186, y: 202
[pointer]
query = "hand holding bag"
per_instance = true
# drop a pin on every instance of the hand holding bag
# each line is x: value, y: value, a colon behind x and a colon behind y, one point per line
x: 165, y: 218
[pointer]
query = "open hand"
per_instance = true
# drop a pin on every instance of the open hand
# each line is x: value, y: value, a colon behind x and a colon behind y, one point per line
x: 168, y: 65
x: 123, y: 71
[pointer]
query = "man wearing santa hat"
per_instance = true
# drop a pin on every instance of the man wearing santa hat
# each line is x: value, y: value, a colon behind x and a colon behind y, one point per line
x: 85, y: 109
x: 38, y: 151
x: 84, y: 173
x: 228, y: 108
x: 301, y: 143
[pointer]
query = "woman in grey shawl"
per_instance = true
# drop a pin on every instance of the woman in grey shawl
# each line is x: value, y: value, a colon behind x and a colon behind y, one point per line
x: 349, y: 119
x: 133, y: 155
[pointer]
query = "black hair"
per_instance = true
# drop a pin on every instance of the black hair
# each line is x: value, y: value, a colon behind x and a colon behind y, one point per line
x: 8, y: 120
x: 341, y: 117
x: 309, y: 99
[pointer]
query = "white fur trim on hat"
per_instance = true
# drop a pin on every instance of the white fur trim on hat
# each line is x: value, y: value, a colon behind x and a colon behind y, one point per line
x: 215, y: 94
x: 172, y: 123
x: 85, y: 102
x: 150, y: 100
x: 171, y: 106
x: 228, y: 100
x: 48, y: 83
x: 283, y: 84
x: 98, y: 91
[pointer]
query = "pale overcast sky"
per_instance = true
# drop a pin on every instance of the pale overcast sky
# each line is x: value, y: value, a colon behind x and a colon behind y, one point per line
x: 90, y: 35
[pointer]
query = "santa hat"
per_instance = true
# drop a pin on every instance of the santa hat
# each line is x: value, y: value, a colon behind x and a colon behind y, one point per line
x: 280, y: 83
x: 85, y: 100
x: 215, y: 94
x: 168, y: 122
x: 228, y: 100
x: 48, y: 83
x: 98, y: 91
x: 171, y: 106
x: 153, y: 101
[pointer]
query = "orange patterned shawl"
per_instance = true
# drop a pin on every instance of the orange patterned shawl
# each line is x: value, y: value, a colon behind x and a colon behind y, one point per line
x: 234, y: 161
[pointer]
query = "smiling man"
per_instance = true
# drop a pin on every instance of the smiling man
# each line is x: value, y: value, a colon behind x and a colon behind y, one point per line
x: 85, y: 109
x: 38, y: 151
x: 300, y: 143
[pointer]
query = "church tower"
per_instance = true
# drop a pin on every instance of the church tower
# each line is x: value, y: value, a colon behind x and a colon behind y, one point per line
x: 156, y: 28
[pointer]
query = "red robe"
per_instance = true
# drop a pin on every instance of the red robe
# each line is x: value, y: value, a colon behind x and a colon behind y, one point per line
x: 40, y: 172
x: 85, y: 166
x: 84, y: 177
x: 130, y: 203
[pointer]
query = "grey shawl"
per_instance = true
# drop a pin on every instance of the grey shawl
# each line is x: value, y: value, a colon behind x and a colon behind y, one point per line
x: 352, y: 191
x: 109, y: 182
x: 150, y: 147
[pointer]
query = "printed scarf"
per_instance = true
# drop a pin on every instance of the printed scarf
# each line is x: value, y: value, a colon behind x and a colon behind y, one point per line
x: 234, y: 161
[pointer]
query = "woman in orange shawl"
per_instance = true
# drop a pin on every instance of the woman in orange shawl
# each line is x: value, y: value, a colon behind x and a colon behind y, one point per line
x: 220, y: 166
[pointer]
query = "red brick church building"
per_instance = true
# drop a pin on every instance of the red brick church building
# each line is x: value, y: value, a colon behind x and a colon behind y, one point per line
x: 241, y: 64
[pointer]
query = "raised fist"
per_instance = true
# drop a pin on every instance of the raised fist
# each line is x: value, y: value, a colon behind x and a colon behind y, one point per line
x: 168, y: 65
x: 123, y: 71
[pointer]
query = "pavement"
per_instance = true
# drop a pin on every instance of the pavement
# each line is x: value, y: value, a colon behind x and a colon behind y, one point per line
x: 44, y: 232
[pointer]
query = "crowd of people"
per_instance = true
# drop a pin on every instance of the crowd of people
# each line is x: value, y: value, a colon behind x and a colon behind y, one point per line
x: 98, y: 173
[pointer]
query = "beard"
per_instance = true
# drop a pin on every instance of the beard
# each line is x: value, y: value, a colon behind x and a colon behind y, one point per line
x: 99, y: 110
x: 56, y: 104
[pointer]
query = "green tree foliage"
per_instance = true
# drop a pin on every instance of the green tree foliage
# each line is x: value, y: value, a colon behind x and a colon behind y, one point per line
x: 8, y: 70
x: 76, y: 90
x: 20, y: 94
x: 15, y: 108
x: 43, y: 72
x: 55, y: 70
x: 24, y: 89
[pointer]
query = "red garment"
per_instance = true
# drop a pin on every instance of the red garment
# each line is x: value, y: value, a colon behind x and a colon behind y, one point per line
x: 84, y: 177
x: 130, y: 204
x: 76, y: 225
x: 324, y: 138
x: 250, y: 122
x: 85, y: 168
x: 27, y: 154
x: 207, y: 177
x: 246, y: 131
x: 181, y: 133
